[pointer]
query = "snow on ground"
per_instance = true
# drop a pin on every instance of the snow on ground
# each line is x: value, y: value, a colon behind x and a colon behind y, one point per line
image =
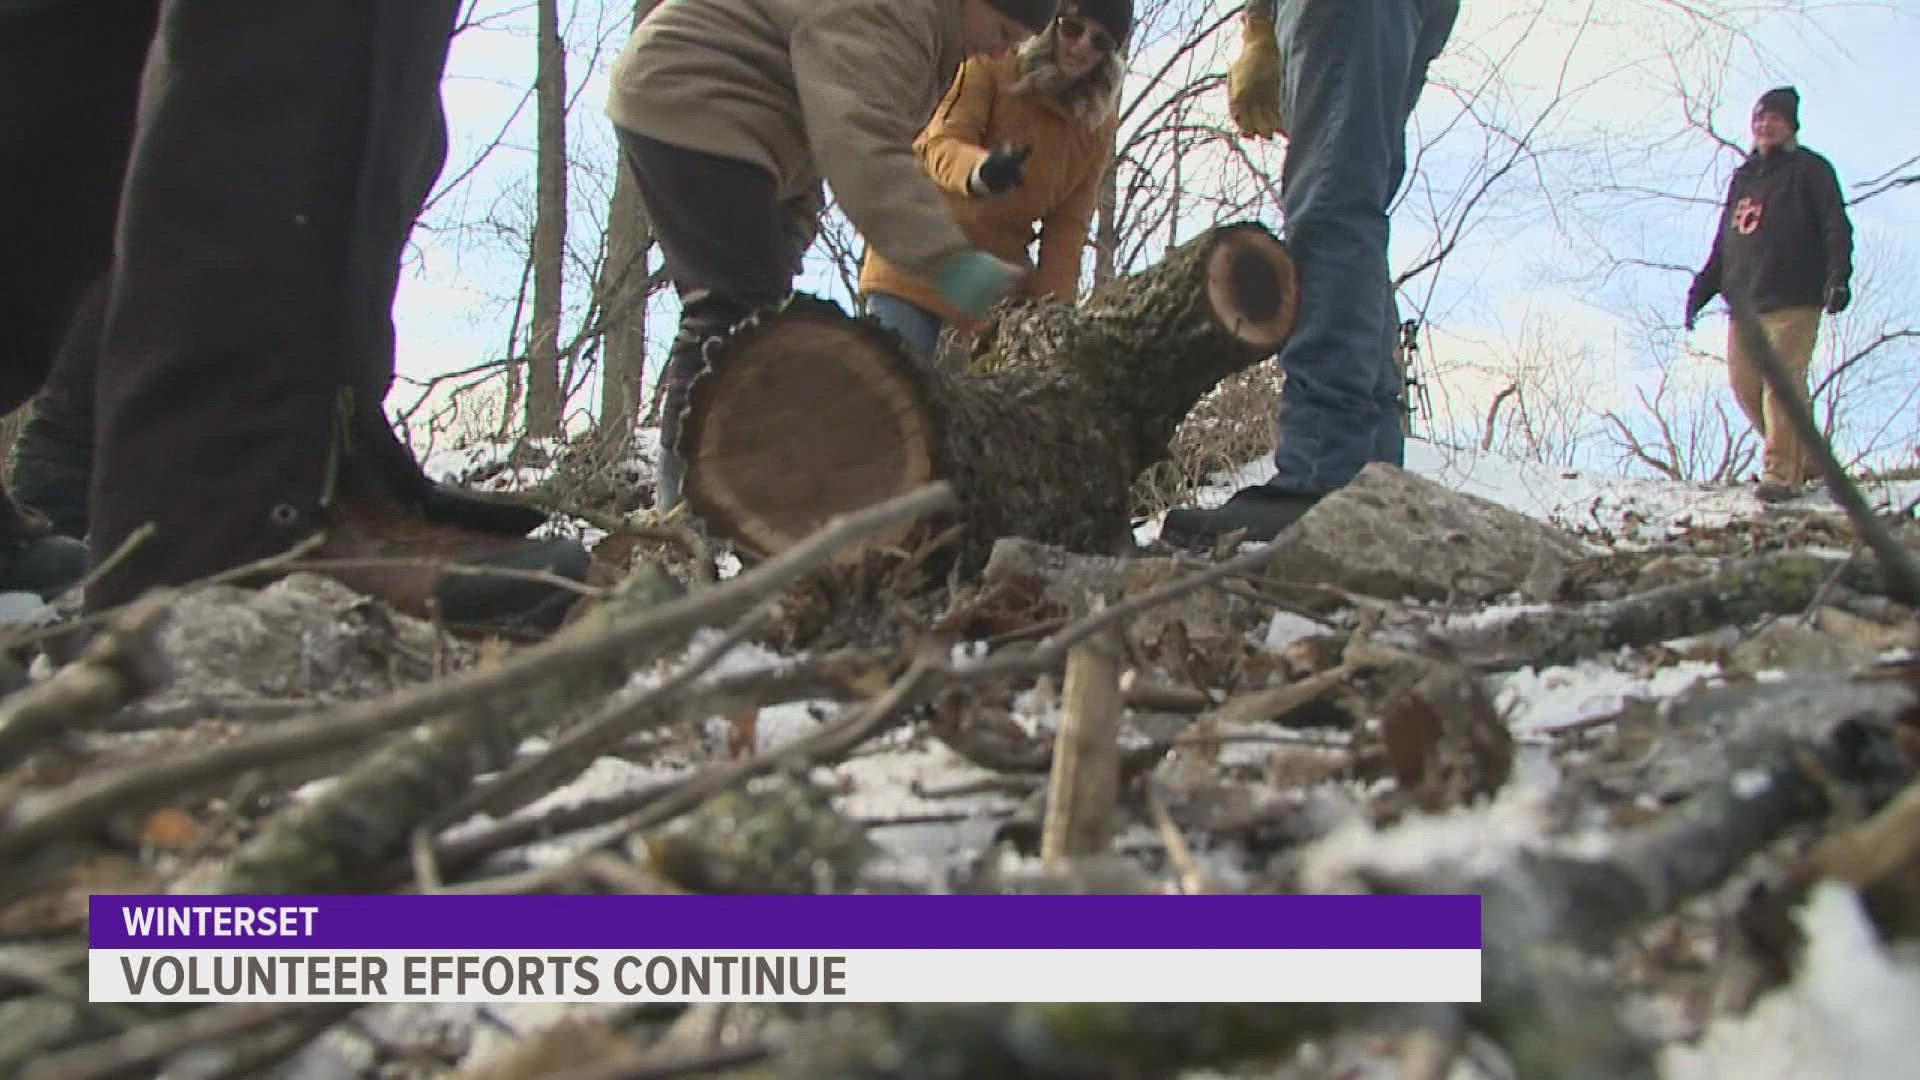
x: 1641, y: 509
x: 1849, y: 1016
x: 1536, y: 701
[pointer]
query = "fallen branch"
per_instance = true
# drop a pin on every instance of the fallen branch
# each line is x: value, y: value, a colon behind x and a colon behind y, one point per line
x: 826, y: 744
x: 1775, y: 584
x: 120, y: 665
x: 34, y: 819
x: 1085, y: 786
x: 1539, y: 903
x: 161, y: 1039
x: 367, y: 814
x: 574, y: 751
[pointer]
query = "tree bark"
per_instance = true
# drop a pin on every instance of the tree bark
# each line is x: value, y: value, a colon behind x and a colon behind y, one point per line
x: 624, y: 287
x: 549, y: 227
x: 804, y: 412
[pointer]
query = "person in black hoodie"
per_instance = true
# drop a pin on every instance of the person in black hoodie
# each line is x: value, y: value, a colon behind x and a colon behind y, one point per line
x: 1784, y: 245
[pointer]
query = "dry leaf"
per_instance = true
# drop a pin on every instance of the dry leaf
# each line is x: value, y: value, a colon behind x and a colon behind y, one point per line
x: 1445, y: 741
x: 170, y: 829
x: 743, y: 729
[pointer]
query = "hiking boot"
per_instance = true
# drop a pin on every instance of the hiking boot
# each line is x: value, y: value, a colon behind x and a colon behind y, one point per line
x: 1262, y: 510
x: 33, y: 558
x: 361, y: 528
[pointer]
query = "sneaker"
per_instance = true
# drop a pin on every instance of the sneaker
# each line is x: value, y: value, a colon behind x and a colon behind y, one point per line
x: 1262, y: 510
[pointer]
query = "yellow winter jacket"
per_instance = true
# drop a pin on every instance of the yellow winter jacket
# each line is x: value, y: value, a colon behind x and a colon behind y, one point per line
x: 1055, y: 204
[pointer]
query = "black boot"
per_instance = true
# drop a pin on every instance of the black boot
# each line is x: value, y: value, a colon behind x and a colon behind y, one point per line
x: 1263, y: 511
x: 32, y: 557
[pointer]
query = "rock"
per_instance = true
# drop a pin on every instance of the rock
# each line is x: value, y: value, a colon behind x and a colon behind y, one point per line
x: 1786, y: 645
x: 302, y: 637
x: 1393, y: 534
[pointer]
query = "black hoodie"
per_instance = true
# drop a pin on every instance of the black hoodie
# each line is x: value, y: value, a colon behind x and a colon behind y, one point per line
x: 1784, y: 236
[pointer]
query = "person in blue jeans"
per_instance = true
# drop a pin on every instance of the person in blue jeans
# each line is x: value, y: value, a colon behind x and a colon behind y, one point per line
x: 1352, y: 73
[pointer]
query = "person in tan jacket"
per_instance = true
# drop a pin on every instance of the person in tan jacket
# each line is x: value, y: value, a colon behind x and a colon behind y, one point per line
x: 731, y: 114
x: 1018, y: 140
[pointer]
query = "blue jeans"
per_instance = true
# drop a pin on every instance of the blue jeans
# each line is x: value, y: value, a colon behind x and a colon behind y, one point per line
x: 917, y: 326
x: 1354, y: 71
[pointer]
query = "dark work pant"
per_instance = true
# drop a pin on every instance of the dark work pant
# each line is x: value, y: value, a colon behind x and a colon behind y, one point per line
x: 729, y: 243
x: 917, y: 326
x: 69, y: 80
x: 279, y: 153
x: 1355, y: 70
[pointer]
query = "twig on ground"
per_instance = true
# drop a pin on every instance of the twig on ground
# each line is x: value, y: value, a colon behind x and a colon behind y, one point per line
x: 118, y: 666
x: 1084, y: 789
x: 826, y: 744
x: 155, y: 1041
x: 1832, y: 582
x: 1052, y: 650
x: 695, y: 1065
x: 107, y: 565
x: 616, y: 720
x: 426, y: 869
x: 258, y: 566
x: 1273, y: 706
x: 1193, y: 880
x: 443, y: 566
x: 33, y: 820
x: 141, y: 716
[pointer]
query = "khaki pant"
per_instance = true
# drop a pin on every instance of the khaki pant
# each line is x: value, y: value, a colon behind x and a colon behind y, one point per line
x: 1792, y: 333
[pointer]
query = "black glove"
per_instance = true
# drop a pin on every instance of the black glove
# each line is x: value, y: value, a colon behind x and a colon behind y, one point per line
x: 1000, y: 172
x: 1838, y: 297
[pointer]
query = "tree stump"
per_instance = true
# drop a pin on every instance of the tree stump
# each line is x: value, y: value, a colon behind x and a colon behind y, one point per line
x: 802, y: 412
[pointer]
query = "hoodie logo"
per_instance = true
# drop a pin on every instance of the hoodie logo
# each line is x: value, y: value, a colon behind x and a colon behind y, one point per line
x: 1746, y: 215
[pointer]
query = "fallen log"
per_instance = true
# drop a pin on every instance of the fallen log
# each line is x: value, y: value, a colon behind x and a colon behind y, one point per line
x: 802, y: 412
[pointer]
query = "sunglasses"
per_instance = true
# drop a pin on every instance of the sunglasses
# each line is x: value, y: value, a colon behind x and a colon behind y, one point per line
x: 1076, y: 26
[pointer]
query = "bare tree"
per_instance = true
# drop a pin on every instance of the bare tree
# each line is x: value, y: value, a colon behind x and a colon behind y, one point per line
x: 1683, y: 430
x: 544, y: 399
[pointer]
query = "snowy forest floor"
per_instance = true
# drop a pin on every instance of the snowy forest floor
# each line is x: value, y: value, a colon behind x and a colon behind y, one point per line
x: 1698, y: 730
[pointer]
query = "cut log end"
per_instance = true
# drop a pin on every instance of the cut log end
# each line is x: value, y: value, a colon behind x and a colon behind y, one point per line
x: 810, y: 417
x: 1252, y: 286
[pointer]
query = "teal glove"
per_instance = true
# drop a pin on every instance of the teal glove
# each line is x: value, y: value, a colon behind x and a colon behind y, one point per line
x: 974, y: 281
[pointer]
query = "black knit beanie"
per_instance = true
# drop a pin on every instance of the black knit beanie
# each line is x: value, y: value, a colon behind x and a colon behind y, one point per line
x: 1035, y: 15
x: 1784, y: 100
x: 1115, y: 16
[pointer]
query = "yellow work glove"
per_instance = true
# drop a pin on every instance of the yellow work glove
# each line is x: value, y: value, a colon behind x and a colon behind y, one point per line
x: 1253, y: 82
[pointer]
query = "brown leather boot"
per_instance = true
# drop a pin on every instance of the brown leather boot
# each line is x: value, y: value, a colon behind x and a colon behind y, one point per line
x: 363, y: 525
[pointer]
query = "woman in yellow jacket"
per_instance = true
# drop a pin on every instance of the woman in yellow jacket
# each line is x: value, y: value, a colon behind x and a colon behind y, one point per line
x: 1017, y: 141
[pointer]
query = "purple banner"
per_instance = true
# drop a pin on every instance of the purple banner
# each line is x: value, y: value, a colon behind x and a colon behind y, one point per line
x: 784, y: 922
